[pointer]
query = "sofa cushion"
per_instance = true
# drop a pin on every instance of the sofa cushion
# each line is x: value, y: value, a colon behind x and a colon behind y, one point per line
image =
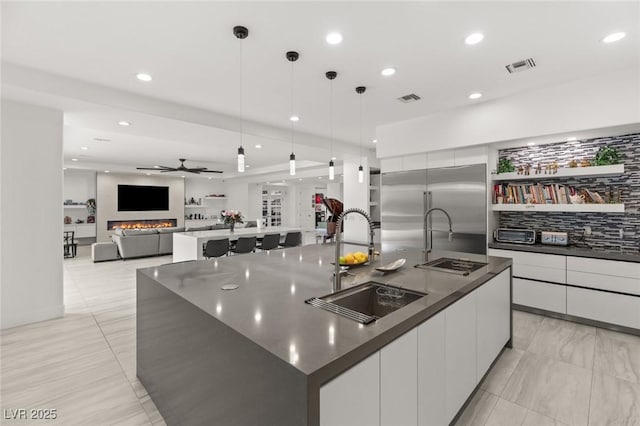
x: 134, y: 232
x: 170, y: 230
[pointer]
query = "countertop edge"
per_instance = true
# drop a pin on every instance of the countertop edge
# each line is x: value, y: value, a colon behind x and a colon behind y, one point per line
x: 568, y: 251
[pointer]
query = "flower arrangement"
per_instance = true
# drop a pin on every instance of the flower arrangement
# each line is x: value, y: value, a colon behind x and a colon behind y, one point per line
x: 91, y: 206
x: 231, y: 217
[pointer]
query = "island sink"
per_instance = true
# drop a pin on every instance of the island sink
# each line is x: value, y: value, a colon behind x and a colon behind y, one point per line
x: 366, y: 302
x: 454, y: 266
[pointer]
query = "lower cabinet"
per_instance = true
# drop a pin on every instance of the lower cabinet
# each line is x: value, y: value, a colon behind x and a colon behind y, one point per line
x: 541, y: 295
x: 603, y: 306
x: 460, y: 352
x: 351, y: 399
x: 425, y: 376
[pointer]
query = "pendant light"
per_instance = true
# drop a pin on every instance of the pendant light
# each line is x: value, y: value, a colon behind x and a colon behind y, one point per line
x: 331, y: 75
x: 292, y: 57
x: 241, y: 33
x: 360, y: 90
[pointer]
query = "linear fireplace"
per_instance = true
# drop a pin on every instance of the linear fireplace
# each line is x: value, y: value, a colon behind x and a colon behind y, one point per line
x: 141, y: 224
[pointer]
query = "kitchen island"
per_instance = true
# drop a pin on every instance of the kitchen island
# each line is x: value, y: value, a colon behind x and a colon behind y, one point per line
x: 259, y: 355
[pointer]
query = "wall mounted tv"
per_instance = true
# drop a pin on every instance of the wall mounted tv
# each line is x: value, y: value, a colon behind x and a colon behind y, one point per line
x: 138, y: 198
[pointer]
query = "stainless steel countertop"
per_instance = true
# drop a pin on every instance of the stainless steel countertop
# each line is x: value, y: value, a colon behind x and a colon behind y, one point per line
x: 268, y: 308
x: 569, y: 251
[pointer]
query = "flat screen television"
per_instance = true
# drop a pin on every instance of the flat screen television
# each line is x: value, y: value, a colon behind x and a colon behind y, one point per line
x: 138, y: 198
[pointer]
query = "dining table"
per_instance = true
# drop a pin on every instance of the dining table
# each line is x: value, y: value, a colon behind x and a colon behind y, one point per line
x: 188, y: 245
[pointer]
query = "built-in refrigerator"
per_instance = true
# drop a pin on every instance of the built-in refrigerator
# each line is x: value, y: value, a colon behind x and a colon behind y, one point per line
x: 461, y: 191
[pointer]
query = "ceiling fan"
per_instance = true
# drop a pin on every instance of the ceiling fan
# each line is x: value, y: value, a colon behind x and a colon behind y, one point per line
x: 180, y: 168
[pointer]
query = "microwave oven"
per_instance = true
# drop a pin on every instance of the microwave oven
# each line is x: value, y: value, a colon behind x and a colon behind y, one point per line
x: 517, y: 236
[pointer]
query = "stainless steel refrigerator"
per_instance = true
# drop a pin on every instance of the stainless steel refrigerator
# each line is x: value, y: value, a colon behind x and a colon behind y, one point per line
x: 405, y: 197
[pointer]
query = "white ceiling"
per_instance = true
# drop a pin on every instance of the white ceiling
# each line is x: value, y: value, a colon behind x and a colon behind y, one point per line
x: 189, y: 49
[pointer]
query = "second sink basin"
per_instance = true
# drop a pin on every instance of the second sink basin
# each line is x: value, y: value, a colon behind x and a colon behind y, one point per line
x: 367, y: 302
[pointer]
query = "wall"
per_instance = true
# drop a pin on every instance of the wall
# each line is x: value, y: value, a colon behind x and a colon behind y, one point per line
x: 605, y: 227
x: 107, y: 200
x: 602, y: 101
x: 31, y: 219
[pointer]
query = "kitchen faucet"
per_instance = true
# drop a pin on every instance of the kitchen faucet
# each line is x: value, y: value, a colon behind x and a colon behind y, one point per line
x: 337, y: 273
x: 426, y: 216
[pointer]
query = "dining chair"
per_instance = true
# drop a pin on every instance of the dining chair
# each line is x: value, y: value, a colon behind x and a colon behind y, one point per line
x: 292, y: 239
x: 269, y: 242
x: 244, y: 245
x: 216, y: 248
x: 69, y: 244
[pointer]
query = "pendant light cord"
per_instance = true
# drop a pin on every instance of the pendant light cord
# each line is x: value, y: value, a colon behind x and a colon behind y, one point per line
x: 331, y: 119
x: 241, y: 94
x: 291, y: 116
x: 361, y: 127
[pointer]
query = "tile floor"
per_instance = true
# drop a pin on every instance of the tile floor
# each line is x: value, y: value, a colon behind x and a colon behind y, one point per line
x: 83, y: 365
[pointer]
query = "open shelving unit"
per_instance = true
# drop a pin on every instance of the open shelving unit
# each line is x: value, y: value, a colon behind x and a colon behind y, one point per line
x: 563, y: 173
x: 575, y: 208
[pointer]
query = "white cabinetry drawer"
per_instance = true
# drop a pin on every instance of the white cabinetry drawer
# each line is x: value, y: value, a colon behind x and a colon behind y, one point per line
x: 604, y: 267
x: 536, y: 294
x: 540, y: 273
x: 602, y: 306
x: 604, y: 282
x: 536, y: 266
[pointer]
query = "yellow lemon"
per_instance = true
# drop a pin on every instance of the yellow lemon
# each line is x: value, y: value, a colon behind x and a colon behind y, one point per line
x: 349, y: 259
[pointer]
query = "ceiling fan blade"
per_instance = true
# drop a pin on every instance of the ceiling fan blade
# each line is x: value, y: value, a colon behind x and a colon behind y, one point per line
x: 211, y: 171
x: 167, y: 170
x: 147, y: 168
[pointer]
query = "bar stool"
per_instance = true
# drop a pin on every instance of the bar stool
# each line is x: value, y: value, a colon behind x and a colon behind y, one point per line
x: 216, y: 248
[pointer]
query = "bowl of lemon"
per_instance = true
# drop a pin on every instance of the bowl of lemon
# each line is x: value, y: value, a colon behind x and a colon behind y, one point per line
x: 355, y: 258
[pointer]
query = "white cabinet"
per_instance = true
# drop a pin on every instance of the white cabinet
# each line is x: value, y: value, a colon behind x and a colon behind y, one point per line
x: 460, y: 352
x: 494, y: 315
x: 602, y: 306
x: 535, y: 266
x: 611, y: 275
x: 541, y: 295
x: 351, y: 398
x: 399, y: 381
x: 431, y: 372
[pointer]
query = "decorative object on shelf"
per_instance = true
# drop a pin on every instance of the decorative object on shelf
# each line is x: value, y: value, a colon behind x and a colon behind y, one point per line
x: 505, y: 166
x: 585, y: 163
x: 606, y: 155
x: 573, y: 164
x: 79, y: 221
x: 241, y: 33
x: 538, y: 169
x: 360, y: 90
x: 527, y: 169
x: 68, y: 220
x: 521, y: 170
x: 231, y: 217
x: 91, y: 206
x: 91, y: 219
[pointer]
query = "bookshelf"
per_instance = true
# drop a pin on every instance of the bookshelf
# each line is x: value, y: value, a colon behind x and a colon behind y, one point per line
x: 575, y: 208
x: 563, y: 173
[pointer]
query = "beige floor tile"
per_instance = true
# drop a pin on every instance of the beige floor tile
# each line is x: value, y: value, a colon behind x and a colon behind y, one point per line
x: 614, y: 402
x: 618, y: 355
x: 537, y: 419
x: 525, y: 326
x: 478, y: 410
x: 565, y: 341
x: 506, y: 413
x: 553, y: 388
x: 500, y: 373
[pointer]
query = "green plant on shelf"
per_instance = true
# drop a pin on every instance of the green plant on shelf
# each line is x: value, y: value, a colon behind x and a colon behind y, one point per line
x: 505, y: 166
x: 606, y: 156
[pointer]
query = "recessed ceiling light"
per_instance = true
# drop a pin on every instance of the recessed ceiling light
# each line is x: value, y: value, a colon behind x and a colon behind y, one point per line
x: 571, y: 139
x: 124, y: 123
x: 102, y: 139
x: 611, y: 38
x: 64, y: 168
x: 299, y: 178
x: 333, y: 158
x: 209, y: 178
x: 84, y: 148
x: 106, y: 171
x: 319, y: 177
x: 143, y: 77
x: 148, y: 174
x: 476, y: 95
x: 334, y: 38
x: 74, y: 159
x: 374, y: 141
x: 294, y: 118
x: 387, y: 72
x: 156, y: 167
x: 474, y: 38
x: 258, y: 146
x: 182, y: 177
x: 531, y: 143
x: 247, y: 166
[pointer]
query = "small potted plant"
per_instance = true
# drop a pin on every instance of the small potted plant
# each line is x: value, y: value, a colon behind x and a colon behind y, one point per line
x: 505, y: 166
x: 606, y: 155
x: 231, y: 217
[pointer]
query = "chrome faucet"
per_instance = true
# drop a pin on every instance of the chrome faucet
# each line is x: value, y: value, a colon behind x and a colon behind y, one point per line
x: 426, y: 215
x: 337, y: 273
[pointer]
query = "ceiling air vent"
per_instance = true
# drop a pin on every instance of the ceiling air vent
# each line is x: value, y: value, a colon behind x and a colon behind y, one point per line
x: 409, y: 98
x: 522, y: 65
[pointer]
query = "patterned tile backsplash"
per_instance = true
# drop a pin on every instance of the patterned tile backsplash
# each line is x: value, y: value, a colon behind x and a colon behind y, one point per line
x: 605, y: 228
